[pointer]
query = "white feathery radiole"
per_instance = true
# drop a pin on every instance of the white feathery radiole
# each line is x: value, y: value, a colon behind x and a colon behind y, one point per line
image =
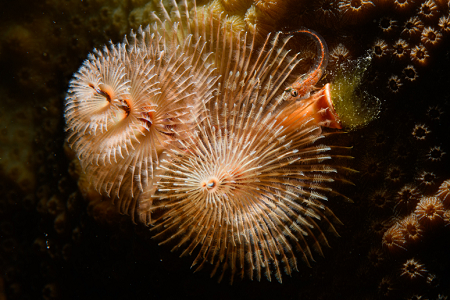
x: 187, y: 125
x: 93, y: 94
x: 246, y: 189
x: 131, y: 101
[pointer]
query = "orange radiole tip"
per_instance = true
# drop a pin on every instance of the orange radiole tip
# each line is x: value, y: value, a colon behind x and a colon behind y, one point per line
x: 318, y: 107
x: 322, y: 109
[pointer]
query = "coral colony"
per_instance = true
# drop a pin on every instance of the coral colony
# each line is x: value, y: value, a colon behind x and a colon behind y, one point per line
x: 214, y: 139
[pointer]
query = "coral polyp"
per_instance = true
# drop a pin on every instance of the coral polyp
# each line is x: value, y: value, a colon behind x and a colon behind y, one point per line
x: 393, y: 239
x: 444, y: 193
x: 412, y: 269
x: 412, y: 230
x: 430, y: 211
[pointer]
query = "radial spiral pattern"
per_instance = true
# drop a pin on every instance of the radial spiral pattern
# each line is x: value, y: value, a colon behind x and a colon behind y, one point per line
x: 247, y: 188
x: 191, y: 123
x: 131, y: 101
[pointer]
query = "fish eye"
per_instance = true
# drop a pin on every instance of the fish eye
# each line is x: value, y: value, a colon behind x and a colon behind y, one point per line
x: 294, y: 93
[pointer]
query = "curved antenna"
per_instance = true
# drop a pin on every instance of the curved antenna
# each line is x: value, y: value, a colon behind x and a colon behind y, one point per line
x: 302, y: 86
